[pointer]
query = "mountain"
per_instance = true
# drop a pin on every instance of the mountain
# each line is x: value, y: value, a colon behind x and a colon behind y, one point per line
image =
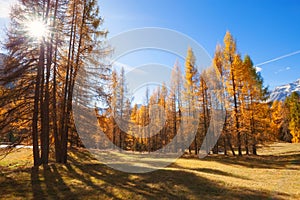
x: 281, y: 92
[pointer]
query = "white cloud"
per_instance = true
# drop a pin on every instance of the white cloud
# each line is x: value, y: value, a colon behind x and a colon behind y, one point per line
x: 258, y: 69
x: 282, y: 70
x: 5, y: 7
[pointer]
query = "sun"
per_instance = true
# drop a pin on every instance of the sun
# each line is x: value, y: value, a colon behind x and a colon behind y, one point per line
x: 37, y: 29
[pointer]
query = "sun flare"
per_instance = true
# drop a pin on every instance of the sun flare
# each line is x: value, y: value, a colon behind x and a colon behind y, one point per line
x: 37, y: 29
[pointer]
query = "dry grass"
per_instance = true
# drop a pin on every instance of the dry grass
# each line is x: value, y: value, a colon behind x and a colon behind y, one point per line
x: 275, y: 174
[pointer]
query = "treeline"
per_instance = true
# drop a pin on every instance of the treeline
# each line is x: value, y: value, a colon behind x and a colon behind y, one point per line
x: 238, y: 90
x: 39, y: 73
x: 285, y: 121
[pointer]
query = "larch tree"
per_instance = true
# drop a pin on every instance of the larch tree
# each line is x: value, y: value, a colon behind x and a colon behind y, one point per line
x: 222, y: 95
x: 133, y: 123
x: 204, y: 99
x: 227, y: 63
x: 28, y: 66
x: 242, y: 95
x: 47, y: 43
x: 190, y: 88
x: 162, y: 101
x: 121, y: 102
x: 293, y: 105
x: 252, y: 98
x: 232, y: 64
x: 112, y: 102
x: 156, y: 140
x: 175, y: 103
x: 83, y: 53
x: 279, y: 121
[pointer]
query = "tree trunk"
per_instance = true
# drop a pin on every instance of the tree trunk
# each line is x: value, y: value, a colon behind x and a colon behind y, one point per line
x: 230, y: 145
x: 57, y: 144
x: 45, y: 148
x: 114, y: 133
x: 254, y: 149
x: 54, y: 100
x: 216, y: 148
x: 43, y: 107
x: 196, y: 145
x: 175, y: 125
x: 246, y: 144
x: 35, y: 118
x: 237, y: 125
x: 205, y: 112
x: 64, y: 117
x: 225, y: 146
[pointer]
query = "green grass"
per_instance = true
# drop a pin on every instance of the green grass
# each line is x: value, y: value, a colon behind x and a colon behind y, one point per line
x: 275, y: 174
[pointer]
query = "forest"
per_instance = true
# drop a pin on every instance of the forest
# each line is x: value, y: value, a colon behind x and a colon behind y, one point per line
x: 39, y: 73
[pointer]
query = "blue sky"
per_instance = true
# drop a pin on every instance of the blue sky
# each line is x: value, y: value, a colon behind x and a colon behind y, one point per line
x: 264, y: 29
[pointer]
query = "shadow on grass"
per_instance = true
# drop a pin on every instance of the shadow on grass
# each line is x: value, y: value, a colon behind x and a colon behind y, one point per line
x: 9, y: 185
x: 47, y: 183
x: 84, y: 178
x: 210, y: 171
x: 160, y: 184
x: 291, y: 162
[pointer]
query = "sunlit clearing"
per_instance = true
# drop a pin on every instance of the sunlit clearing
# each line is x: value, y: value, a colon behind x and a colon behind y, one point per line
x: 37, y: 29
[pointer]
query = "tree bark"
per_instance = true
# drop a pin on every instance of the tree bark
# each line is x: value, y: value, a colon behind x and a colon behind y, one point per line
x: 237, y: 125
x: 35, y: 119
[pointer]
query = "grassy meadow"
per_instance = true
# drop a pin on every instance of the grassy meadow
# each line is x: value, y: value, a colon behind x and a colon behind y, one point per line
x: 274, y: 174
